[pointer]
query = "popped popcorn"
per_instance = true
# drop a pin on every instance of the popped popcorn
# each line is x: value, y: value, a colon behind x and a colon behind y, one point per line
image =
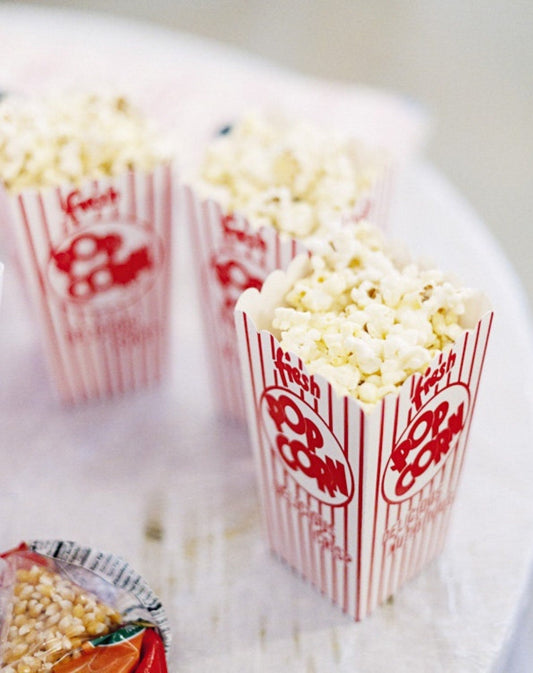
x: 291, y: 176
x: 367, y: 319
x: 71, y: 137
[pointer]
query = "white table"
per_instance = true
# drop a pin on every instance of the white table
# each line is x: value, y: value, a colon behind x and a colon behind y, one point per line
x: 159, y: 480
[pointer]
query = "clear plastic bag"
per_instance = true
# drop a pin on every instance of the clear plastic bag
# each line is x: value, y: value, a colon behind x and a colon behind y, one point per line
x: 66, y: 608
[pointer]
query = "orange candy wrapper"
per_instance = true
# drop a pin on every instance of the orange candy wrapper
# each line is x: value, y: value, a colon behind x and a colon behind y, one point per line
x: 69, y: 609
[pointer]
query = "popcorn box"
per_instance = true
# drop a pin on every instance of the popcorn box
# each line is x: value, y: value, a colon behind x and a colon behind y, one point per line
x: 95, y: 259
x: 356, y: 502
x: 231, y: 256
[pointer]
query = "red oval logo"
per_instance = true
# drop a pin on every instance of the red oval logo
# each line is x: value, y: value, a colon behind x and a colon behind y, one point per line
x: 307, y: 447
x: 105, y: 264
x: 233, y: 277
x: 427, y: 442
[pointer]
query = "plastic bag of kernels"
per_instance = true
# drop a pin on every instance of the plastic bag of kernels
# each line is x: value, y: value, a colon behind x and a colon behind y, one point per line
x: 86, y: 193
x: 67, y: 608
x: 361, y: 370
x: 268, y: 187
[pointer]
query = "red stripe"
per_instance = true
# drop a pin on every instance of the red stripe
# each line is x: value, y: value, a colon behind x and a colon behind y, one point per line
x: 425, y: 548
x: 414, y: 379
x: 406, y: 551
x: 149, y: 307
x: 323, y: 586
x: 213, y: 230
x: 146, y: 344
x: 420, y: 537
x: 420, y: 540
x: 334, y: 586
x: 104, y: 360
x: 411, y: 543
x: 98, y: 213
x: 304, y: 562
x: 465, y: 343
x: 439, y: 521
x: 197, y: 225
x: 165, y: 313
x: 150, y: 205
x: 206, y: 223
x: 71, y: 349
x: 473, y: 359
x: 278, y: 252
x: 489, y: 329
x: 261, y: 448
x: 44, y: 219
x: 116, y: 355
x: 346, y: 449
x: 360, y: 513
x: 251, y: 367
x: 384, y: 587
x: 281, y: 542
x: 60, y: 201
x: 83, y: 354
x: 454, y: 458
x: 464, y: 436
x: 293, y: 559
x: 438, y: 529
x: 132, y: 197
x: 330, y: 415
x: 213, y: 234
x: 466, y: 431
x: 387, y: 515
x: 376, y: 500
x: 64, y: 326
x: 259, y: 344
x: 129, y: 349
x: 55, y: 349
x: 436, y: 525
x: 125, y: 350
x: 311, y: 546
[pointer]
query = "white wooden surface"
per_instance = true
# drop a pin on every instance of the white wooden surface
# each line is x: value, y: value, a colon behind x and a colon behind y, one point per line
x: 158, y: 479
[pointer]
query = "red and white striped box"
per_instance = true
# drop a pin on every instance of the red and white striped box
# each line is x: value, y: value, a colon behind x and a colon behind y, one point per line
x: 356, y: 502
x: 231, y: 256
x: 95, y: 259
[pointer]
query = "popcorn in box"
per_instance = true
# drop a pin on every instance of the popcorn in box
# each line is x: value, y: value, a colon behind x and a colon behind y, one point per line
x: 67, y: 608
x: 268, y: 189
x: 359, y: 415
x: 87, y: 197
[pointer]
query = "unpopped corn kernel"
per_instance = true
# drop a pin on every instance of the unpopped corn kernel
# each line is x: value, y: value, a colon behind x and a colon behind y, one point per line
x: 44, y: 629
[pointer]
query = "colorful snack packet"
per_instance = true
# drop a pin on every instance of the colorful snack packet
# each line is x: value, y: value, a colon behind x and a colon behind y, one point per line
x: 67, y: 608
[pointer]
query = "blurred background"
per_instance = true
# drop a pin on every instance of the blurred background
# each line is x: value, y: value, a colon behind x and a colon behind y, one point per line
x: 470, y: 63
